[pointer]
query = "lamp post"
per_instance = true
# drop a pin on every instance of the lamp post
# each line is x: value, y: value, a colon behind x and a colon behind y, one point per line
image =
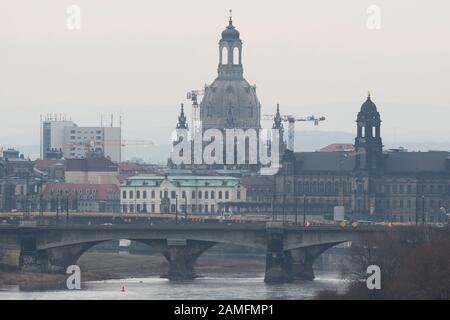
x: 296, y: 209
x: 274, y: 206
x: 417, y: 212
x: 67, y: 209
x: 185, y: 207
x: 423, y: 210
x: 304, y: 210
x: 41, y: 206
x: 176, y: 208
x: 57, y: 208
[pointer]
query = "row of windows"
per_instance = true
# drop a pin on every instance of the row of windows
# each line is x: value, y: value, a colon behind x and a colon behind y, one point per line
x: 411, y: 203
x: 92, y: 132
x: 165, y: 194
x: 200, y: 208
x: 328, y: 187
x: 322, y: 187
x: 72, y: 191
x: 85, y: 138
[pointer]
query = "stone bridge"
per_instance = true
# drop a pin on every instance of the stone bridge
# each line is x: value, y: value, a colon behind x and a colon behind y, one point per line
x: 290, y: 250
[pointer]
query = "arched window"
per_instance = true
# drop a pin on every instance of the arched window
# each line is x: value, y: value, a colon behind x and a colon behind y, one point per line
x: 236, y: 55
x: 193, y: 195
x: 173, y: 194
x: 220, y: 194
x: 224, y: 55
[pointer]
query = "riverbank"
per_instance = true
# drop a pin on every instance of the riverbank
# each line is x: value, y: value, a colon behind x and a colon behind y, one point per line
x: 97, y: 266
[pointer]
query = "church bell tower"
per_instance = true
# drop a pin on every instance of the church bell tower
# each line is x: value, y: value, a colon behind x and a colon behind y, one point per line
x: 368, y: 144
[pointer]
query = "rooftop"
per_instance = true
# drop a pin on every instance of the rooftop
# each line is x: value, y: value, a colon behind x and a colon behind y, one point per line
x: 182, y: 181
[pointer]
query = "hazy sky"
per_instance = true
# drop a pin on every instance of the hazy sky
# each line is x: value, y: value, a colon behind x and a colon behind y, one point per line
x: 141, y: 57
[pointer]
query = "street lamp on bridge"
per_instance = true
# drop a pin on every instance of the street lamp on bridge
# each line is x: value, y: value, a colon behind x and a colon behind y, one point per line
x: 176, y: 208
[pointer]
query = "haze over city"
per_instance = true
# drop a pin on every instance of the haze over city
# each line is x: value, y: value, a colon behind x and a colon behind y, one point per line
x: 140, y: 60
x: 204, y: 151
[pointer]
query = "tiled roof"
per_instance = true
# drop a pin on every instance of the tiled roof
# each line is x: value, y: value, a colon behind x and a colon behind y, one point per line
x: 338, y: 147
x: 91, y: 164
x: 432, y: 161
x: 45, y: 164
x: 325, y: 161
x: 256, y: 181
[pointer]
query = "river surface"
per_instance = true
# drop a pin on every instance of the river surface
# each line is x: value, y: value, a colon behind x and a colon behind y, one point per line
x: 230, y: 286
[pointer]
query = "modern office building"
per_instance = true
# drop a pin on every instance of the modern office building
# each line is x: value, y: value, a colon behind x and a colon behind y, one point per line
x: 64, y: 138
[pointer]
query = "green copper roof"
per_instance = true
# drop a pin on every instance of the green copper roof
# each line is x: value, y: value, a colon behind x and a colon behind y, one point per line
x: 182, y: 181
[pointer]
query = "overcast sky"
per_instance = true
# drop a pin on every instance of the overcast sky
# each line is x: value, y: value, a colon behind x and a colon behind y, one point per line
x: 141, y: 57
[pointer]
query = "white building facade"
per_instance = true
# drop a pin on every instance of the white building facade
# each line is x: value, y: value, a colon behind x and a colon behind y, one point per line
x: 101, y: 140
x: 182, y: 194
x: 74, y: 142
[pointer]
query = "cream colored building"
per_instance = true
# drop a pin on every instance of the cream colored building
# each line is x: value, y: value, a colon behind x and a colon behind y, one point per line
x: 191, y: 194
x: 91, y: 170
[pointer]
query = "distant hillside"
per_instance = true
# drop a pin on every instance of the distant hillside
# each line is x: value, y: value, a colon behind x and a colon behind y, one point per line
x: 304, y: 141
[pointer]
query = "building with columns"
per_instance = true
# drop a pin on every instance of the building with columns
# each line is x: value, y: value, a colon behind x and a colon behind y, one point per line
x: 371, y: 183
x: 191, y: 194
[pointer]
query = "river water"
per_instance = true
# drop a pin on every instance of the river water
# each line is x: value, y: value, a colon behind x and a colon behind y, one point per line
x: 230, y: 286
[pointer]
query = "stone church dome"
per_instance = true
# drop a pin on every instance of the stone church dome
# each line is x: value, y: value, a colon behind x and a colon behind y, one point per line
x: 368, y: 110
x: 230, y: 101
x: 230, y: 33
x: 230, y: 104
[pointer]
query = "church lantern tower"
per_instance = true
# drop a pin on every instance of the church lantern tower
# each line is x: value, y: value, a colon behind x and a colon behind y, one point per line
x: 368, y: 144
x: 230, y: 100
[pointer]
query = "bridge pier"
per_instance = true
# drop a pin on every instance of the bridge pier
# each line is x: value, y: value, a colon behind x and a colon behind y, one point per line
x: 303, y: 260
x: 278, y: 261
x: 182, y: 255
x: 30, y: 259
x: 55, y: 259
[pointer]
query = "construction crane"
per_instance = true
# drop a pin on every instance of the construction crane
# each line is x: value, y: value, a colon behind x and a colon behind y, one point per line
x: 193, y: 95
x: 137, y: 143
x: 290, y: 119
x: 91, y: 146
